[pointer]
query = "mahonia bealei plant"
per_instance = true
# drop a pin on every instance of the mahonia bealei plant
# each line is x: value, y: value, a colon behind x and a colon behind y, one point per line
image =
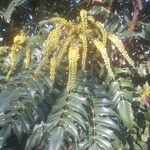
x: 73, y: 38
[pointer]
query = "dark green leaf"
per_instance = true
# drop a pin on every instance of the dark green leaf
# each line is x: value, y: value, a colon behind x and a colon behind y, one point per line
x: 126, y: 113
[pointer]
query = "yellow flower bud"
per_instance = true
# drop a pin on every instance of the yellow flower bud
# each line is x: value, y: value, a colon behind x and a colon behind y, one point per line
x: 102, y: 49
x: 84, y: 51
x: 49, y: 45
x: 119, y: 45
x: 20, y: 38
x: 83, y: 15
x: 73, y: 58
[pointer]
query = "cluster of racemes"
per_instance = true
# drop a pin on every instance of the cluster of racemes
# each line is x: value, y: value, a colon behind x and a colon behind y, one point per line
x: 74, y: 41
x: 18, y: 42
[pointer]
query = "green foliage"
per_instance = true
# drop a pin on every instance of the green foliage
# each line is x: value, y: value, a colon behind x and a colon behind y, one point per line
x: 11, y: 8
x: 83, y: 120
x: 121, y: 91
x: 23, y: 104
x: 113, y: 22
x: 101, y: 124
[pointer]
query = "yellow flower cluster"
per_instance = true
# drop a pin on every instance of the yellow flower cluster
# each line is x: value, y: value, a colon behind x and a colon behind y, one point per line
x: 100, y: 28
x: 65, y: 45
x: 84, y: 51
x: 68, y: 36
x: 19, y: 39
x: 18, y: 42
x: 103, y: 31
x: 119, y: 45
x: 52, y: 67
x: 83, y: 15
x: 49, y: 46
x: 73, y: 58
x: 52, y: 41
x: 55, y: 61
x: 101, y: 47
x: 74, y: 38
